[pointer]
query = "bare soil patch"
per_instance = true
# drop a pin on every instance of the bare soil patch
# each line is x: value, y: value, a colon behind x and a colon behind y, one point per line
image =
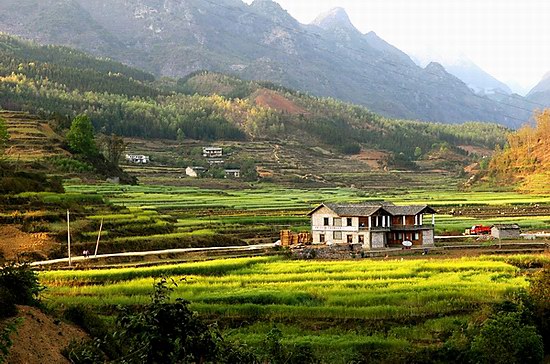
x: 41, y: 338
x: 14, y: 242
x: 273, y: 100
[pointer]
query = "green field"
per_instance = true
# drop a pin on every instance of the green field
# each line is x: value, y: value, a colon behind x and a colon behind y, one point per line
x: 165, y: 217
x: 339, y: 307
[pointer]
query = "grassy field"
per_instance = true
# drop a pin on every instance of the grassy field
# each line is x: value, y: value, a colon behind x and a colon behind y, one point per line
x: 338, y: 307
x: 164, y: 217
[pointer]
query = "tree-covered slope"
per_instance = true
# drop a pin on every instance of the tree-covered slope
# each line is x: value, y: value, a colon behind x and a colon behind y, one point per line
x: 525, y: 160
x: 56, y: 81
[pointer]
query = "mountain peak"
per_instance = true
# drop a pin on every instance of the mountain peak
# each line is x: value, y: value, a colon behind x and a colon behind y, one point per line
x: 272, y: 10
x: 436, y: 68
x: 336, y: 18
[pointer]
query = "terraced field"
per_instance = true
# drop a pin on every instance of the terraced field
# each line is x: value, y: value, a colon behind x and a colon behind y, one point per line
x: 338, y: 307
x: 30, y: 137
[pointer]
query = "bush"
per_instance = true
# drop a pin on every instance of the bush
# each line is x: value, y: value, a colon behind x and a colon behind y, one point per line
x: 21, y: 283
x: 505, y: 339
x: 84, y: 352
x: 70, y: 165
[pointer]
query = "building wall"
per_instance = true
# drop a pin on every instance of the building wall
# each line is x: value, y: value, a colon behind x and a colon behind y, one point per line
x: 505, y: 233
x: 428, y: 238
x: 378, y: 240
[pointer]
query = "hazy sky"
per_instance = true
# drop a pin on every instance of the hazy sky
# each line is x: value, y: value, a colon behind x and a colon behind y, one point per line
x: 508, y: 38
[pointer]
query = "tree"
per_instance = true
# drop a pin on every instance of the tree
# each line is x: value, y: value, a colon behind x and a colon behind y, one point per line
x: 4, y: 135
x: 81, y: 136
x: 113, y: 146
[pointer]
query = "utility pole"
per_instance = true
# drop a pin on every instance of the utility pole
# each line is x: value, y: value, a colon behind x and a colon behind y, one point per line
x: 69, y: 238
x: 98, y: 237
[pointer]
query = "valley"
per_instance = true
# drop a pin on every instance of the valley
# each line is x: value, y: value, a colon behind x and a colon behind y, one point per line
x: 186, y: 174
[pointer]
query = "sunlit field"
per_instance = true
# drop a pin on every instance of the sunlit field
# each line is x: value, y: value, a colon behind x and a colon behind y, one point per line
x: 337, y: 306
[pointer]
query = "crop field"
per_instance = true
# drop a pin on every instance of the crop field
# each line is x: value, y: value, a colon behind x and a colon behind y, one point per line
x: 165, y: 217
x: 338, y: 307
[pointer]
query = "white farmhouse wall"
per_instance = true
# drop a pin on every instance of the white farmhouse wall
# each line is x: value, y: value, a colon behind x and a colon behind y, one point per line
x: 378, y: 240
x: 428, y: 237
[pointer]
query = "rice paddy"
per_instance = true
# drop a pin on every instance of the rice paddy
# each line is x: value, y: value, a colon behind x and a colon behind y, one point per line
x: 336, y: 306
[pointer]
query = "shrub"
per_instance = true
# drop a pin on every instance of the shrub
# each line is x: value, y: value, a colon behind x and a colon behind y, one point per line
x: 21, y: 283
x: 84, y: 352
x: 70, y: 165
x: 164, y: 332
x: 505, y: 339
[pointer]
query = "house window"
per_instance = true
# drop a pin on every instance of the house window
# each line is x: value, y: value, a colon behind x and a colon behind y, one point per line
x: 337, y: 235
x: 337, y: 221
x: 321, y: 238
x: 416, y: 236
x: 350, y: 239
x: 361, y: 239
x: 325, y: 221
x: 399, y: 236
x: 350, y: 221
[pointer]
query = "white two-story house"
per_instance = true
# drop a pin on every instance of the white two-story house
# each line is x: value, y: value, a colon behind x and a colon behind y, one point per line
x: 373, y: 225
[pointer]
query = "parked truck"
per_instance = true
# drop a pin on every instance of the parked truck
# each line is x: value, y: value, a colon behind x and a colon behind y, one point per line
x: 478, y: 230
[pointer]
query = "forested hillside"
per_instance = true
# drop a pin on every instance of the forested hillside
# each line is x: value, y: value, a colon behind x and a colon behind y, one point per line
x: 526, y: 158
x: 60, y: 82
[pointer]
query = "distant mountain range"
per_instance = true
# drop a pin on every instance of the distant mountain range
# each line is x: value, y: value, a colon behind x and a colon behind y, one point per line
x: 261, y: 41
x: 540, y: 94
x: 477, y: 79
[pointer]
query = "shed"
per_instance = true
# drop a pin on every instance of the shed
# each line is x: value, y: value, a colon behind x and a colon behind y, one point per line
x: 505, y: 231
x: 194, y: 171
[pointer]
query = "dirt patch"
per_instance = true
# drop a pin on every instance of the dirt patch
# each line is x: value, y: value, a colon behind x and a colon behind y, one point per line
x: 371, y: 157
x: 480, y: 151
x: 40, y: 338
x: 14, y: 242
x: 273, y: 100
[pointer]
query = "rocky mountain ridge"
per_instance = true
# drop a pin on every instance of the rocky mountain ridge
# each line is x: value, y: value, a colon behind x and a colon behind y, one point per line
x: 260, y: 41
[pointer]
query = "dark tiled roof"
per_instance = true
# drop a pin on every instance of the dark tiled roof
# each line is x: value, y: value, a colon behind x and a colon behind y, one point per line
x: 354, y: 209
x: 410, y: 210
x: 506, y: 226
x: 370, y: 208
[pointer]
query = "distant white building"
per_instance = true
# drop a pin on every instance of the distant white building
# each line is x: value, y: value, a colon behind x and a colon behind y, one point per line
x: 137, y: 158
x: 212, y: 152
x: 233, y: 173
x: 194, y: 172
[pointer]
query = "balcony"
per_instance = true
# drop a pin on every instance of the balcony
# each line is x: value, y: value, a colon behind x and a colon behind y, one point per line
x: 374, y: 228
x: 411, y: 227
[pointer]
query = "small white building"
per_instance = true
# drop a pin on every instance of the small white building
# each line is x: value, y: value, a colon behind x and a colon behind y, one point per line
x: 212, y: 152
x: 137, y: 158
x: 506, y: 231
x: 232, y: 173
x: 194, y: 172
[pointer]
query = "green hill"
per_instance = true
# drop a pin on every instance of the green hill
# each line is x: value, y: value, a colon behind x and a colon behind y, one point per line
x: 61, y: 83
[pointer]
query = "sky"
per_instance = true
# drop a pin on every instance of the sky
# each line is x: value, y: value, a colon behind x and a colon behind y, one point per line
x: 510, y: 39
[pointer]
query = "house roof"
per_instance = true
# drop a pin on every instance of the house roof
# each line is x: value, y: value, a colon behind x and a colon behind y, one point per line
x: 369, y: 209
x: 410, y: 210
x: 506, y: 226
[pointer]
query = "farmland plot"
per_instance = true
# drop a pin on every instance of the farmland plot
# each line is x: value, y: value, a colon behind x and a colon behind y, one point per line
x: 338, y: 307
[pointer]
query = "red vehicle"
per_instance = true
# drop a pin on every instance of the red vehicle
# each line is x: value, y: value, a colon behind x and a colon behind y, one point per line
x: 480, y: 230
